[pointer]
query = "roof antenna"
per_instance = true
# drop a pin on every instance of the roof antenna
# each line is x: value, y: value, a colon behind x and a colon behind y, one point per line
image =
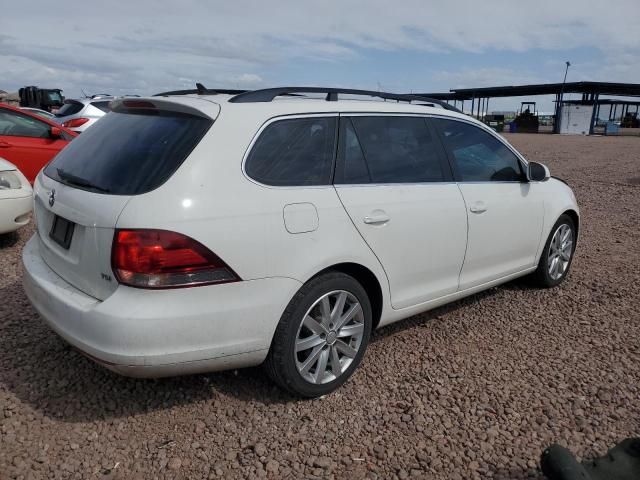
x: 84, y: 93
x: 201, y: 89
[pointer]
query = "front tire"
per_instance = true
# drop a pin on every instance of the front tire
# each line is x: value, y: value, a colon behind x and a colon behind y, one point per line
x: 321, y: 337
x: 557, y: 255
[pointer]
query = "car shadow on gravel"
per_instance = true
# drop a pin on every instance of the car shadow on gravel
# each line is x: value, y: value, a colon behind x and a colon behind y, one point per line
x: 430, y: 315
x: 42, y: 370
x: 8, y: 239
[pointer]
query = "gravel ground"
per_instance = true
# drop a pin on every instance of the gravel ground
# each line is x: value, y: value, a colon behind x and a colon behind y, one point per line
x: 473, y: 390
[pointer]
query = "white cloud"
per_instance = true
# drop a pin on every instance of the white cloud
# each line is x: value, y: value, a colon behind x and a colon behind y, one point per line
x: 146, y: 46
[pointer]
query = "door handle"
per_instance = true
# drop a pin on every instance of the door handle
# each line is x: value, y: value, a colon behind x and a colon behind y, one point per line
x: 377, y: 219
x: 4, y: 145
x: 478, y: 207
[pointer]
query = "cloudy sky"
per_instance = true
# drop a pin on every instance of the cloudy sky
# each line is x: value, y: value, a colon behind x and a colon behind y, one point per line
x: 144, y: 46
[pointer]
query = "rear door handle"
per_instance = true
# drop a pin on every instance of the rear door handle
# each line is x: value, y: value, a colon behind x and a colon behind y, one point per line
x: 478, y: 207
x: 4, y: 145
x: 377, y: 219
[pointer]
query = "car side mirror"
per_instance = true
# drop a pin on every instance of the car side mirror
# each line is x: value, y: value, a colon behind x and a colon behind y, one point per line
x: 537, y: 172
x: 55, y: 132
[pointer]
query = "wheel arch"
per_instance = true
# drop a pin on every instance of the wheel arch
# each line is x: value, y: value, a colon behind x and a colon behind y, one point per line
x: 369, y: 282
x: 573, y: 215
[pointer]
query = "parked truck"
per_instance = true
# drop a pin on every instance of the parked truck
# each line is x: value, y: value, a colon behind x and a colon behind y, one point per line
x: 49, y: 99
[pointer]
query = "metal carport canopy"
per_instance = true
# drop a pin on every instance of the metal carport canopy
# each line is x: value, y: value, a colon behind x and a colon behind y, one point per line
x: 601, y: 88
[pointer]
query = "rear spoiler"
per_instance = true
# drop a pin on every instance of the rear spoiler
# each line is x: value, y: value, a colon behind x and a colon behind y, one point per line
x: 154, y: 106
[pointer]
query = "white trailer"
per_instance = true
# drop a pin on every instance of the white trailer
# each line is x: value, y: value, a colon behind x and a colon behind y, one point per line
x: 575, y: 119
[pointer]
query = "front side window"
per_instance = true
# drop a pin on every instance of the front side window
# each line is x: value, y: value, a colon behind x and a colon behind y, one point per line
x: 477, y: 155
x: 388, y: 149
x: 294, y: 152
x: 16, y: 125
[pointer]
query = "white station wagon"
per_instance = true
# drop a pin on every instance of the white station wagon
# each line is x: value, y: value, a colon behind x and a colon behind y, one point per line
x: 205, y: 230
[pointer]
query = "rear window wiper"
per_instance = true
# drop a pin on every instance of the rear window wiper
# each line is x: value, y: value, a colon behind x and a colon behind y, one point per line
x: 72, y: 179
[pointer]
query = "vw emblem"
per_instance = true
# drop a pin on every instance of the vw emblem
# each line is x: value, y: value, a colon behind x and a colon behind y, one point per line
x: 52, y: 197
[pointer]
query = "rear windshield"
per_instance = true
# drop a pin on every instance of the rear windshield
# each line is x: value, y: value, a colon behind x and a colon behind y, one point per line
x: 69, y: 108
x: 128, y: 153
x: 104, y: 106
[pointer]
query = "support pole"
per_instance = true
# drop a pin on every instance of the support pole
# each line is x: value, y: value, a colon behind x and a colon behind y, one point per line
x: 593, y: 113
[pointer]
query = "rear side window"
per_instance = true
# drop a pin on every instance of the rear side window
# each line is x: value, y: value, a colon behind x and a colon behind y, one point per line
x: 128, y: 153
x: 295, y: 152
x: 70, y: 107
x: 104, y: 106
x: 14, y: 124
x: 477, y: 155
x: 389, y: 149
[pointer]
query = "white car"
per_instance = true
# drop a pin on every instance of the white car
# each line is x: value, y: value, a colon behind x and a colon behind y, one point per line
x: 78, y: 115
x: 15, y: 198
x: 204, y: 232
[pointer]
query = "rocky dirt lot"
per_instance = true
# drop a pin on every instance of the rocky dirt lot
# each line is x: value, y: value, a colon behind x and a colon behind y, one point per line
x: 474, y: 390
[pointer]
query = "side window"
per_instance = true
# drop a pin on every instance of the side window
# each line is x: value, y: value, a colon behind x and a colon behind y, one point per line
x: 15, y: 125
x: 294, y: 152
x: 392, y: 149
x: 478, y: 155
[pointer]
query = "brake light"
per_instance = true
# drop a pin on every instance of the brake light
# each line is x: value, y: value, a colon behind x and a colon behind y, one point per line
x: 138, y: 104
x: 76, y: 122
x: 161, y: 259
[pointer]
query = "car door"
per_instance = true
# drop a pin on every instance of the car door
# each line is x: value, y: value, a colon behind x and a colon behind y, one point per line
x: 505, y: 212
x: 26, y: 142
x: 396, y: 185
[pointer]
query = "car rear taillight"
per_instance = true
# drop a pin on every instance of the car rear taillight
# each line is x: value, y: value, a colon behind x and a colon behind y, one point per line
x: 146, y: 258
x: 76, y: 122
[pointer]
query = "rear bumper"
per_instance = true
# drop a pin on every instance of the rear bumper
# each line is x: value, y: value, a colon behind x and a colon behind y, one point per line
x: 147, y: 333
x: 14, y: 213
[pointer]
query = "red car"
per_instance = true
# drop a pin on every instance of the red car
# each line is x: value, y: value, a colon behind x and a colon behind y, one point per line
x: 30, y: 141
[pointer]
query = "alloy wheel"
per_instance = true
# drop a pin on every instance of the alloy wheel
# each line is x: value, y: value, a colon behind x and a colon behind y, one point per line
x: 329, y: 337
x: 560, y: 251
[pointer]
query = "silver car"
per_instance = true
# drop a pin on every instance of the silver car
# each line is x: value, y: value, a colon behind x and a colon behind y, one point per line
x: 80, y: 114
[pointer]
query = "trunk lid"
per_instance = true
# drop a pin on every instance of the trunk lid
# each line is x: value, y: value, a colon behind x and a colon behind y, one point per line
x: 86, y: 264
x: 131, y: 151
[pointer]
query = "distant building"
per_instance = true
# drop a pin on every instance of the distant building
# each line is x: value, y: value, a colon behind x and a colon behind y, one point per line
x: 11, y: 98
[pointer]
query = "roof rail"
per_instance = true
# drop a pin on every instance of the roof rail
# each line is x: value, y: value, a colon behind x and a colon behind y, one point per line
x: 201, y: 90
x: 268, y: 94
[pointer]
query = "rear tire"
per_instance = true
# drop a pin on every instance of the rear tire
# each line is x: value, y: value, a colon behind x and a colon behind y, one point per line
x: 557, y: 255
x: 321, y: 337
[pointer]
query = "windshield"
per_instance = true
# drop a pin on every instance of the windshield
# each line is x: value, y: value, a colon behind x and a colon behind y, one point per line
x: 128, y: 153
x: 54, y: 96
